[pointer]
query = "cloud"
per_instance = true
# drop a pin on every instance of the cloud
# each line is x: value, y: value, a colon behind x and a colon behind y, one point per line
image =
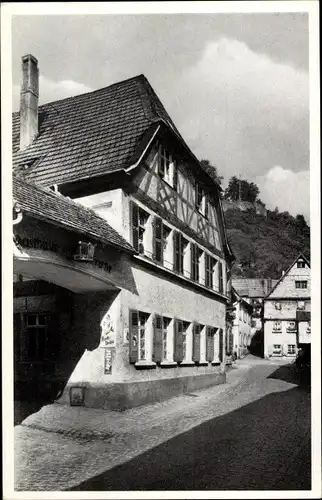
x: 286, y: 189
x: 51, y: 91
x: 242, y: 110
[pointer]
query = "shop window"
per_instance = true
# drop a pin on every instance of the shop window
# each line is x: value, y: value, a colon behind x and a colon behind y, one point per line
x: 277, y: 327
x: 139, y: 221
x: 138, y: 321
x: 301, y: 264
x: 291, y: 349
x: 167, y: 167
x: 161, y: 234
x: 179, y: 246
x: 201, y: 200
x: 300, y: 284
x: 35, y: 339
x: 160, y: 338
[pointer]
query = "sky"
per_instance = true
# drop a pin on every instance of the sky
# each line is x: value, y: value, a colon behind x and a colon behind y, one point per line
x: 236, y: 85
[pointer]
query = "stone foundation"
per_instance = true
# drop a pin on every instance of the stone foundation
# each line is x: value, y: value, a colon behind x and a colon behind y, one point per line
x: 125, y: 395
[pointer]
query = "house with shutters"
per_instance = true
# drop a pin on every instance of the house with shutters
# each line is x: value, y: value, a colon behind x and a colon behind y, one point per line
x: 287, y: 312
x: 139, y: 307
x: 242, y: 330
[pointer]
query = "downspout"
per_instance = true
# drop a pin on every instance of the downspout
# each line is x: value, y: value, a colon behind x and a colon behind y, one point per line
x: 19, y: 213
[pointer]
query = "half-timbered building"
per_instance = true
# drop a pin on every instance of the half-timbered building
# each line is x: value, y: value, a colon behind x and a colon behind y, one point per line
x: 160, y: 313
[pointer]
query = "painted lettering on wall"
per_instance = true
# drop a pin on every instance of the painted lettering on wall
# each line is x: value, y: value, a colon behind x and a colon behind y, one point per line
x: 39, y: 244
x: 108, y: 361
x: 36, y: 243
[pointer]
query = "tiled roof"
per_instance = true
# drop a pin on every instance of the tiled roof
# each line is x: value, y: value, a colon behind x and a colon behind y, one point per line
x: 90, y: 134
x: 252, y: 287
x: 44, y: 204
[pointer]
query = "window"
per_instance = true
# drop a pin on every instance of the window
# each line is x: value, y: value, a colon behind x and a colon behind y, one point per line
x: 36, y: 338
x: 301, y: 305
x: 161, y: 234
x: 277, y: 326
x: 179, y: 245
x: 300, y: 284
x: 138, y: 321
x: 160, y: 343
x: 196, y: 329
x: 221, y: 278
x: 278, y: 306
x: 180, y: 340
x: 139, y: 220
x: 291, y: 349
x: 201, y: 200
x: 277, y: 349
x: 167, y: 167
x: 301, y: 264
x: 209, y: 270
x: 291, y: 326
x: 210, y: 336
x: 195, y: 260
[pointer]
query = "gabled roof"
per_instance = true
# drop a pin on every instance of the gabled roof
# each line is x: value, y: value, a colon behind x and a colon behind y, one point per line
x: 301, y: 256
x: 93, y: 134
x: 252, y: 287
x: 42, y: 203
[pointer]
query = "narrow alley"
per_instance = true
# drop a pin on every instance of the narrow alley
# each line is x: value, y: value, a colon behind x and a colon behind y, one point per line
x: 252, y: 433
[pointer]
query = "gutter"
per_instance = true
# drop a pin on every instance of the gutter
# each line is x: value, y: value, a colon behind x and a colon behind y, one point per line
x: 136, y: 164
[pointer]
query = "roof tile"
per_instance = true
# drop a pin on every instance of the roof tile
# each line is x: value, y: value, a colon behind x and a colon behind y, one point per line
x: 43, y: 203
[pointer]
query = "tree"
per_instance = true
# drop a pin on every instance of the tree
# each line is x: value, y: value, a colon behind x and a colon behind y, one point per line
x: 300, y: 221
x: 212, y: 171
x: 240, y: 189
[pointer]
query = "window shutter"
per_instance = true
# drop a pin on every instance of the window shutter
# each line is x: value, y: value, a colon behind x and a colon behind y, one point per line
x: 135, y: 226
x: 206, y: 206
x: 134, y: 336
x: 176, y: 251
x: 157, y: 339
x: 175, y: 175
x: 196, y: 343
x: 210, y: 344
x: 221, y: 284
x: 17, y: 331
x: 221, y: 344
x: 158, y: 239
x: 161, y: 161
x: 178, y: 340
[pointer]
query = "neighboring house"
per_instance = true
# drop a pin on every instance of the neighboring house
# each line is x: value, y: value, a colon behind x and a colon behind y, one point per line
x: 287, y: 311
x: 253, y: 290
x: 241, y: 328
x: 140, y: 306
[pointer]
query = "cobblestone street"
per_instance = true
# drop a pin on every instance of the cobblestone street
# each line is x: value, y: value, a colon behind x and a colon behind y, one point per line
x: 251, y: 433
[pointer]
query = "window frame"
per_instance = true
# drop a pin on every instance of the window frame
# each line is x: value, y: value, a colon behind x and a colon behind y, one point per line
x: 299, y: 284
x: 209, y: 270
x: 138, y: 229
x: 300, y: 264
x: 179, y: 245
x: 31, y: 330
x: 167, y: 167
x: 201, y: 202
x: 160, y: 241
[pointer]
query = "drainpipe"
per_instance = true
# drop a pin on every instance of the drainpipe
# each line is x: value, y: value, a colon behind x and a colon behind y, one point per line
x: 19, y: 213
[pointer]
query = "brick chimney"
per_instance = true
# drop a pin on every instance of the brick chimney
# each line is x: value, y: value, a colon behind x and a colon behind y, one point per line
x: 29, y: 101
